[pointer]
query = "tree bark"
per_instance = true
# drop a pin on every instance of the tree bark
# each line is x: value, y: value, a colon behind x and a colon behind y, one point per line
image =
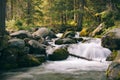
x: 75, y: 13
x: 2, y: 22
x: 80, y: 57
x: 28, y: 12
x: 2, y: 17
x: 12, y: 9
x: 80, y: 16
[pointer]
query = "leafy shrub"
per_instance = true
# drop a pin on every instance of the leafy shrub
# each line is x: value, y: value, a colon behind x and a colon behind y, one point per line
x: 84, y: 32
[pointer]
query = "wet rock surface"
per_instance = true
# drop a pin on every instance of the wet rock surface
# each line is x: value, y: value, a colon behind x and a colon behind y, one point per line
x: 111, y: 39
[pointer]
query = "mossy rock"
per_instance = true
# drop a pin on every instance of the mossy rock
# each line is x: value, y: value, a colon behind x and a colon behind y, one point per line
x: 59, y: 42
x: 112, y: 56
x: 21, y: 34
x: 12, y: 58
x: 8, y: 61
x: 41, y: 58
x: 78, y: 39
x: 59, y: 54
x: 69, y: 34
x: 4, y: 42
x: 16, y: 43
x: 44, y: 32
x: 28, y: 61
x: 36, y: 47
x: 65, y: 41
x: 113, y: 71
x: 111, y: 39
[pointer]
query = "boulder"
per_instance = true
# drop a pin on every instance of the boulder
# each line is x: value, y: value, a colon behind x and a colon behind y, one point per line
x: 36, y: 47
x: 3, y: 42
x: 43, y: 32
x: 111, y: 39
x: 21, y: 34
x: 16, y: 43
x: 78, y: 39
x: 8, y: 58
x: 41, y: 58
x: 113, y: 71
x: 69, y: 34
x: 59, y: 54
x: 13, y: 57
x: 112, y: 56
x: 65, y: 41
x: 28, y: 61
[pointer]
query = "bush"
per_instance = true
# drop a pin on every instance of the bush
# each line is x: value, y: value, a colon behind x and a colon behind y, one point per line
x: 84, y: 32
x: 108, y: 18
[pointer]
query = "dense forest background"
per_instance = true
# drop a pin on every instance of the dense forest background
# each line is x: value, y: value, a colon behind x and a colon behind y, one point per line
x: 61, y: 15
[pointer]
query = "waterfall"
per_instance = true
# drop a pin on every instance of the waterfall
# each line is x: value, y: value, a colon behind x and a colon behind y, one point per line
x: 90, y: 49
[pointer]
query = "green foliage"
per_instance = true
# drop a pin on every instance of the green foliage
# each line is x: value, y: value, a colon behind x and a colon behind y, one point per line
x: 107, y: 17
x: 18, y: 23
x: 84, y: 32
x: 61, y: 15
x: 11, y: 25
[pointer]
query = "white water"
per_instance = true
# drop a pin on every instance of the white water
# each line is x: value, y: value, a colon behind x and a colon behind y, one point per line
x: 70, y: 69
x: 91, y: 49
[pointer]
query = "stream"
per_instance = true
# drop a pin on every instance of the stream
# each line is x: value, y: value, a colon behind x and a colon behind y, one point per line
x: 70, y: 69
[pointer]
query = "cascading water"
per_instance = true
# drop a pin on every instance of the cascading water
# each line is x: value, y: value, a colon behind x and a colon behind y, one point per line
x: 70, y: 69
x: 90, y: 49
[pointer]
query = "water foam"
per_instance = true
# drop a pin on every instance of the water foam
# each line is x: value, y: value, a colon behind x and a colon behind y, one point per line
x: 90, y: 49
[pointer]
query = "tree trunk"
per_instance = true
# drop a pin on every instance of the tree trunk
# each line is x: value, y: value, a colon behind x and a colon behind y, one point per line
x: 111, y: 5
x: 28, y: 12
x: 80, y: 57
x: 2, y: 17
x: 11, y: 9
x: 2, y: 22
x: 75, y: 13
x: 80, y: 16
x: 62, y: 18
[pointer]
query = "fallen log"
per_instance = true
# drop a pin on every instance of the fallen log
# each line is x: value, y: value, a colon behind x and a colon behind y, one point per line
x: 80, y: 57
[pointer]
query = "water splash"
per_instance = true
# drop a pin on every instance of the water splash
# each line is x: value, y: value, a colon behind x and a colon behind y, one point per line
x: 91, y: 50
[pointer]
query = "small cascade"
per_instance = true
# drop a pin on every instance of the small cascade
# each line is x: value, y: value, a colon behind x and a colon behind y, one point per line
x: 91, y: 50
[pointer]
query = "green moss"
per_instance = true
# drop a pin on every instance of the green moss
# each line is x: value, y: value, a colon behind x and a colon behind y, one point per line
x: 4, y: 42
x: 84, y: 32
x: 112, y: 56
x: 41, y: 58
x: 28, y: 61
x: 8, y: 66
x: 59, y: 42
x: 59, y: 54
